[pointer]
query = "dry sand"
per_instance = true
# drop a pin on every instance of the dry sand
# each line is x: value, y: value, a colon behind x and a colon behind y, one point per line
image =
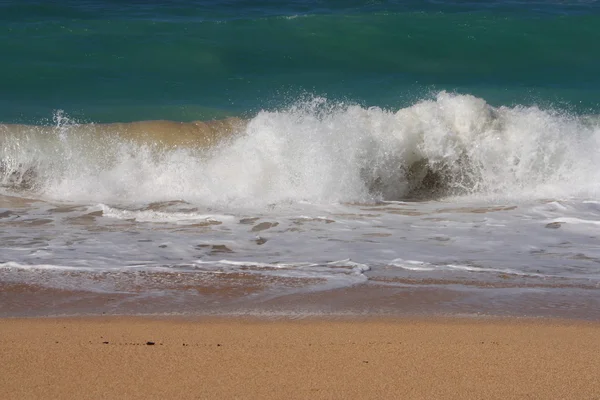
x: 112, y: 358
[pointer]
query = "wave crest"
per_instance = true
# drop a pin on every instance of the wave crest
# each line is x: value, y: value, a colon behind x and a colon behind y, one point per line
x: 315, y: 151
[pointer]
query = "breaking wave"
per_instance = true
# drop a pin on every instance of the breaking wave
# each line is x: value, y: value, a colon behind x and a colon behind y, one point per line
x: 315, y: 151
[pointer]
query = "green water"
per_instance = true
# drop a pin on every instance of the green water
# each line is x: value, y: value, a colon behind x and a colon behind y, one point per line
x: 102, y: 61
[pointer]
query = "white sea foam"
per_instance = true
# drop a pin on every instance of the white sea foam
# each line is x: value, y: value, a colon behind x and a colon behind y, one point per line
x: 324, y: 153
x: 16, y: 265
x: 412, y: 265
x: 160, y: 216
x: 568, y: 220
x: 296, y: 269
x: 422, y: 266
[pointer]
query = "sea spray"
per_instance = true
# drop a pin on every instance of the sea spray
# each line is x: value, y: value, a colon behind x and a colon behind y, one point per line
x: 316, y: 151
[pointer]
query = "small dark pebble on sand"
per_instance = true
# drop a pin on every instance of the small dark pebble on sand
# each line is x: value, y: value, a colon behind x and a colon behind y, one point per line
x: 104, y: 342
x: 150, y: 343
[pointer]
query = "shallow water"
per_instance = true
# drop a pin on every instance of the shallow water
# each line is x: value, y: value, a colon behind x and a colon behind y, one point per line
x: 170, y: 250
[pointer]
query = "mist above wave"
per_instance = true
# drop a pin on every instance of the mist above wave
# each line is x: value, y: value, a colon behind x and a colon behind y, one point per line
x: 315, y: 151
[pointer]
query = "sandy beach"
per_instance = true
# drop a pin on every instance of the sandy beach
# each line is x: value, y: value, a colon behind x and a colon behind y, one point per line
x: 142, y: 358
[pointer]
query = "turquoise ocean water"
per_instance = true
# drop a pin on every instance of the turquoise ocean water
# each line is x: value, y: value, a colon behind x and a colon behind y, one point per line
x: 105, y: 61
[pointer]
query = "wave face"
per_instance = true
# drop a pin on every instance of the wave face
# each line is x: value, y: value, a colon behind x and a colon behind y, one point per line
x: 104, y: 61
x: 316, y: 151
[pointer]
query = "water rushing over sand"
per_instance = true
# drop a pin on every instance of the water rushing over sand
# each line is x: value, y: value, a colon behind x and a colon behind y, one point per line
x: 449, y: 193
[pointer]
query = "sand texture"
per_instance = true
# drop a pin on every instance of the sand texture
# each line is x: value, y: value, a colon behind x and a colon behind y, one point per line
x: 137, y: 358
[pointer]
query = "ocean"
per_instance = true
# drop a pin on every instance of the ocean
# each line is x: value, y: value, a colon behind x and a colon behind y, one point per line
x: 314, y: 157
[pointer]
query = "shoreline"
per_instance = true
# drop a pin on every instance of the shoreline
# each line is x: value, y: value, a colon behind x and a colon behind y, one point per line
x: 417, y: 358
x: 240, y: 297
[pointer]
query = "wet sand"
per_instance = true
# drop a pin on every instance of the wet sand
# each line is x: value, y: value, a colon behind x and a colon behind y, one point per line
x: 239, y: 294
x: 140, y: 358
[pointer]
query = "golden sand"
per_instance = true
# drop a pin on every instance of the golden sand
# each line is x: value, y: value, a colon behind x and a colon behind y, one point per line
x: 137, y: 358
